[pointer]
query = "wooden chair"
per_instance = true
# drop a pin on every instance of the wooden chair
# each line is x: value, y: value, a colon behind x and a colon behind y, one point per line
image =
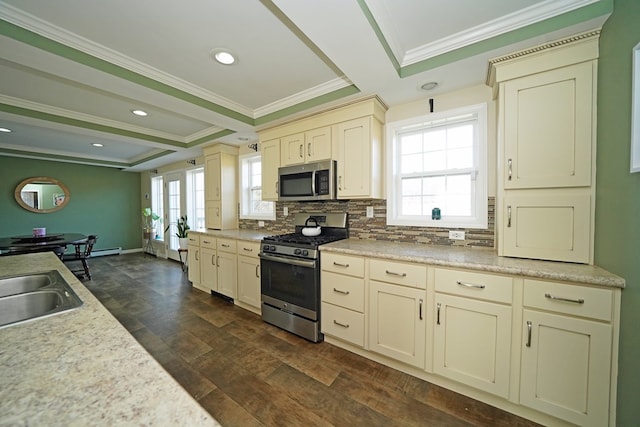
x: 82, y: 253
x: 58, y: 250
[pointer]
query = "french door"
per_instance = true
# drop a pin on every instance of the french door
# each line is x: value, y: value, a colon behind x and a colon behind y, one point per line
x: 175, y: 206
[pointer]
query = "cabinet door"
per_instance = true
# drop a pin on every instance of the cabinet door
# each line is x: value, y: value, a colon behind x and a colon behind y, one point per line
x: 292, y: 149
x: 227, y: 264
x: 566, y: 367
x: 354, y: 157
x: 553, y: 227
x: 318, y: 144
x: 397, y: 322
x: 213, y: 175
x: 473, y: 342
x: 270, y: 164
x: 548, y: 128
x: 213, y: 214
x: 208, y: 271
x: 249, y: 280
x: 194, y: 263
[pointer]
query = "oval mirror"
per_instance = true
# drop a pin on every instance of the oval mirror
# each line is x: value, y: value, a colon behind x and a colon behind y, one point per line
x: 42, y: 194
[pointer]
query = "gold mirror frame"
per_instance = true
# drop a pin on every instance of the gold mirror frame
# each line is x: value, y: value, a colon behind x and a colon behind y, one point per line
x: 42, y: 180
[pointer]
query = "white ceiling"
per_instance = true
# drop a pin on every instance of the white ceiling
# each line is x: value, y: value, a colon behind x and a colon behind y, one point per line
x: 72, y: 70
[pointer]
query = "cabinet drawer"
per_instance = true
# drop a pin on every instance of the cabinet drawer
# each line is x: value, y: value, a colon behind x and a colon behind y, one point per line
x: 343, y: 291
x: 344, y: 324
x: 474, y: 285
x: 401, y: 273
x: 584, y: 301
x: 248, y: 248
x: 227, y: 245
x: 342, y: 264
x: 207, y: 242
x: 194, y: 239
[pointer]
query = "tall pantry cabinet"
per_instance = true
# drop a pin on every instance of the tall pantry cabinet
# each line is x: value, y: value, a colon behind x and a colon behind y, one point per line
x: 546, y: 149
x: 221, y: 183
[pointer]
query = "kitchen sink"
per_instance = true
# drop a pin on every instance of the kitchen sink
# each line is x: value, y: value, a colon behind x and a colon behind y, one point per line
x: 34, y: 296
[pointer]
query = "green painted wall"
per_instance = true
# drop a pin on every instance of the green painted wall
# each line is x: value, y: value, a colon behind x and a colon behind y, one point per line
x: 104, y: 201
x: 617, y: 246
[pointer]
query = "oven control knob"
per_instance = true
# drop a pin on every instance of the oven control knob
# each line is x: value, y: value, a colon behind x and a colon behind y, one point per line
x: 272, y: 248
x: 305, y: 252
x: 297, y: 252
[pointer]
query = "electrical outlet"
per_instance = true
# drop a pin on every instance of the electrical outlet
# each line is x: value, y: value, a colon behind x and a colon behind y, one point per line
x: 369, y: 211
x: 260, y: 223
x: 285, y: 211
x: 456, y: 235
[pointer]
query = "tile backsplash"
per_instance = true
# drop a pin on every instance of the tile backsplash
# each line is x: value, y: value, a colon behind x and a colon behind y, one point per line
x: 376, y: 228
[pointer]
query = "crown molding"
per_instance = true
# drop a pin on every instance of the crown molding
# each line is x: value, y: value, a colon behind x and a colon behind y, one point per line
x: 305, y: 95
x: 73, y: 115
x: 522, y: 18
x: 67, y: 38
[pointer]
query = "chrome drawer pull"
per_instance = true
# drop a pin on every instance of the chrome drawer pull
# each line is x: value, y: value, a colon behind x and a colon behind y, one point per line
x: 341, y: 292
x: 257, y: 269
x: 420, y: 309
x: 438, y: 313
x: 470, y: 285
x: 224, y: 246
x: 529, y: 327
x: 335, y: 322
x: 247, y: 249
x: 508, y: 216
x: 575, y: 301
x: 510, y: 169
x: 337, y: 264
x: 391, y: 273
x: 206, y: 241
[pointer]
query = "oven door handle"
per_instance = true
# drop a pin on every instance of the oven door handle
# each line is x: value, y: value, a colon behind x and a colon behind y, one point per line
x: 286, y: 260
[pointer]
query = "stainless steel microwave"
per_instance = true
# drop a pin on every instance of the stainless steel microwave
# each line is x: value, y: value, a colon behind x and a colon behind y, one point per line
x: 310, y: 181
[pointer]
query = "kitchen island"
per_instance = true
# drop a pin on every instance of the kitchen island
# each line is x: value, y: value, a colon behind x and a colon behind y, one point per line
x: 82, y: 367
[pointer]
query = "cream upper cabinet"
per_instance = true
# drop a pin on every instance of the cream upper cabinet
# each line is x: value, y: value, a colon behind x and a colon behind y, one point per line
x: 270, y: 163
x: 221, y: 182
x: 548, y: 128
x: 305, y: 147
x: 567, y: 351
x: 351, y: 135
x: 359, y: 158
x: 472, y: 337
x: 546, y: 150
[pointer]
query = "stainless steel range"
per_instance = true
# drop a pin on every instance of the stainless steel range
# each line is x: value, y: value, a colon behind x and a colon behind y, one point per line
x: 290, y: 273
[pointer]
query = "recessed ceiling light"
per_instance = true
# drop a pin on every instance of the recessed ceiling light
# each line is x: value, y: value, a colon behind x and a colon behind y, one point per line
x: 97, y: 144
x: 5, y: 130
x: 223, y: 56
x: 429, y: 86
x: 140, y: 113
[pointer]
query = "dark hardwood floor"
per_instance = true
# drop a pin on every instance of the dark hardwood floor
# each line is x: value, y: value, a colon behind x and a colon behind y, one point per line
x: 248, y: 373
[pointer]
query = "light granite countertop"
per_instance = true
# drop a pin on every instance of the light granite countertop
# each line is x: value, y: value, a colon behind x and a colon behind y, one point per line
x: 248, y: 235
x: 476, y: 259
x: 82, y: 368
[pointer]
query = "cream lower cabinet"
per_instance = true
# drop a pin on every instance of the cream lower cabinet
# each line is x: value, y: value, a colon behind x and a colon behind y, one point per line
x: 249, y: 276
x: 227, y: 265
x: 397, y: 323
x: 472, y: 336
x: 343, y: 297
x: 566, y: 351
x: 193, y: 256
x: 208, y: 270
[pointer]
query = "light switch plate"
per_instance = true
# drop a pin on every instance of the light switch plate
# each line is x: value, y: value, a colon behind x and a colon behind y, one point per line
x: 369, y: 211
x: 285, y: 211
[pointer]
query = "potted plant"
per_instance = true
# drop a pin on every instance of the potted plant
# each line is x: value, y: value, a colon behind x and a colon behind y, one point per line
x: 149, y: 219
x: 183, y: 231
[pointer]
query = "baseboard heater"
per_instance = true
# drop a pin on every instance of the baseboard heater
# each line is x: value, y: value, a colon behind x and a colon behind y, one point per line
x: 108, y: 251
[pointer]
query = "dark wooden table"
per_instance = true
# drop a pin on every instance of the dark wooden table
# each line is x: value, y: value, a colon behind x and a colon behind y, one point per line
x: 28, y: 243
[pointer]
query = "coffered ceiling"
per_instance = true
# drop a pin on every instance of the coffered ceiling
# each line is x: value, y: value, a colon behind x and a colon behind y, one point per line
x: 71, y: 71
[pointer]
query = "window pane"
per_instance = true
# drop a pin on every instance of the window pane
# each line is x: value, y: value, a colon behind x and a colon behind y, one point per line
x: 411, y: 205
x: 412, y: 186
x: 435, y: 140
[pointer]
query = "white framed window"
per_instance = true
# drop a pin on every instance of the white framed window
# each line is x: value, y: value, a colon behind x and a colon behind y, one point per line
x: 251, y: 204
x: 438, y: 161
x: 195, y: 198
